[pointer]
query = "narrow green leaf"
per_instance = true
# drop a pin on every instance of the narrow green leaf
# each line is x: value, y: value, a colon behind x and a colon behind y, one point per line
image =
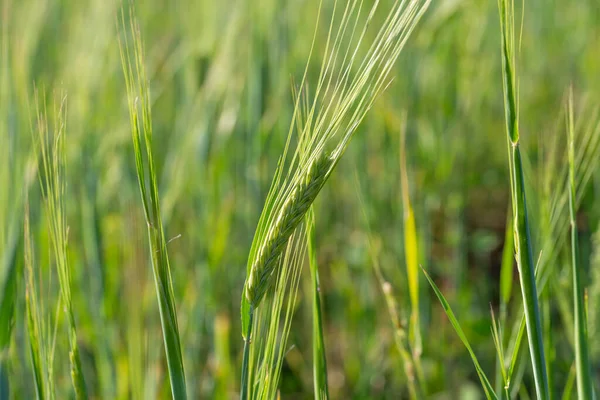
x: 485, y: 383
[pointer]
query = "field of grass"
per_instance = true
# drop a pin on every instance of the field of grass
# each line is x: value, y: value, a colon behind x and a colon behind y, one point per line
x: 344, y: 199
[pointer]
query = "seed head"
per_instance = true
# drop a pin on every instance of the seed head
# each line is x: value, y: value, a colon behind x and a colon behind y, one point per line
x: 289, y: 216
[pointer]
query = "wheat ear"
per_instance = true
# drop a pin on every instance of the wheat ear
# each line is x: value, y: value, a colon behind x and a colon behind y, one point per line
x: 292, y: 212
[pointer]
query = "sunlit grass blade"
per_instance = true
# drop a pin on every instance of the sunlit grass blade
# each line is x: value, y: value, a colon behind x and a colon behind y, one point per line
x: 485, y: 383
x: 411, y: 252
x: 522, y: 238
x: 138, y: 94
x: 414, y: 375
x: 585, y: 388
x: 318, y: 343
x: 52, y: 156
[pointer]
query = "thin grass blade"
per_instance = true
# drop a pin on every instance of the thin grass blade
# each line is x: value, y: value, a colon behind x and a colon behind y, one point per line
x: 585, y: 389
x: 485, y: 383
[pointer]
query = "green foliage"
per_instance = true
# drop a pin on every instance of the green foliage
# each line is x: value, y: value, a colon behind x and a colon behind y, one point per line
x: 215, y: 96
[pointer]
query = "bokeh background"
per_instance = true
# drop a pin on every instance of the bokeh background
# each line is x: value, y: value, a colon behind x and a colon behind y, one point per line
x: 220, y: 76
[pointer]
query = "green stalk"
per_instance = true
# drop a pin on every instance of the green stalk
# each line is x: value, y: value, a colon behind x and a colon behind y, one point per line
x: 244, y: 393
x: 584, y: 381
x: 522, y: 239
x: 319, y: 358
x: 141, y: 127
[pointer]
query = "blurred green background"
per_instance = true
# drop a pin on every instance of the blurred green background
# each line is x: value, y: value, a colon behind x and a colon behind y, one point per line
x: 220, y: 76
